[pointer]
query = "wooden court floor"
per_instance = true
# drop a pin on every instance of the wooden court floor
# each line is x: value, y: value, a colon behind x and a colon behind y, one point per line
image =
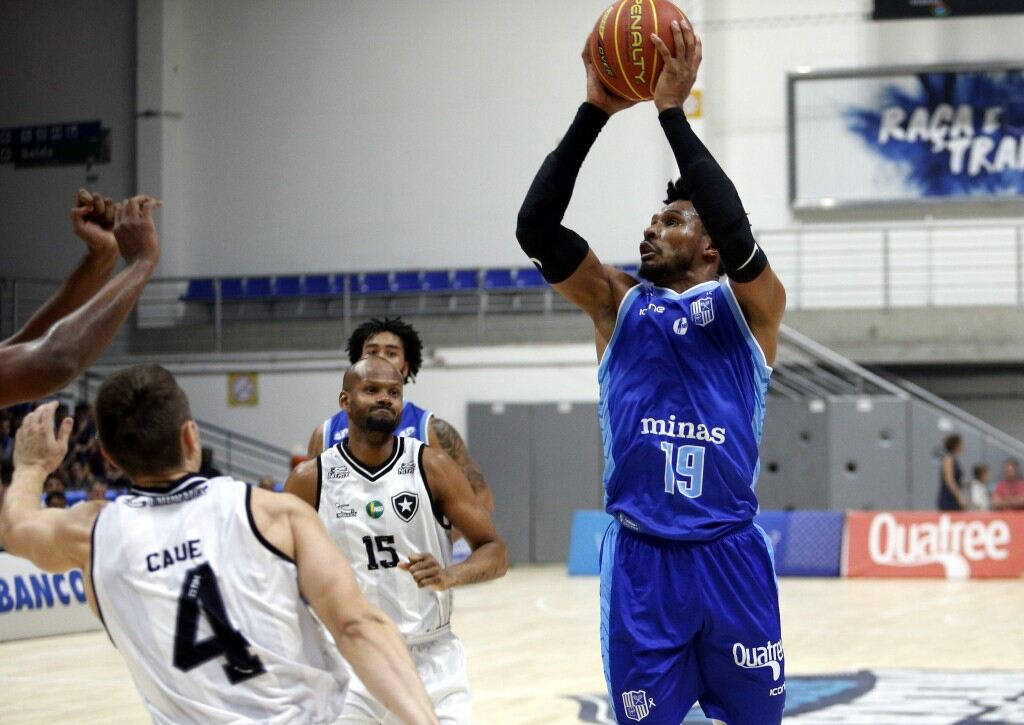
x: 532, y: 639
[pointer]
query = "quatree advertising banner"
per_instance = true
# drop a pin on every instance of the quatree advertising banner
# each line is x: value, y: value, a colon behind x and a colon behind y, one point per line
x: 934, y: 544
x: 906, y: 136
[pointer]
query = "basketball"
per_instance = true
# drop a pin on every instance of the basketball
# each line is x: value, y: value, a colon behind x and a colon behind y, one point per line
x: 621, y: 49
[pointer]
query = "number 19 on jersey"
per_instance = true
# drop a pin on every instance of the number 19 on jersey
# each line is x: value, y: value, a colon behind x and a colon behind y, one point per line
x: 686, y: 462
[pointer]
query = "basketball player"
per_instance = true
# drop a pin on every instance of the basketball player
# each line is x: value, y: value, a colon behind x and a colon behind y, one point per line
x: 76, y: 324
x: 199, y: 582
x: 389, y: 502
x: 398, y: 342
x: 689, y: 601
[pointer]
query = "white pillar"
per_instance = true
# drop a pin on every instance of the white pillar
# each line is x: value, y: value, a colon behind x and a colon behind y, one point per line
x: 158, y: 124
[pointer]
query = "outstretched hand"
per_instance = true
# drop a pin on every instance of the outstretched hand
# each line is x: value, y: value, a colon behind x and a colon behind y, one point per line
x: 93, y: 221
x: 36, y: 444
x: 680, y: 71
x: 135, y: 231
x: 597, y: 94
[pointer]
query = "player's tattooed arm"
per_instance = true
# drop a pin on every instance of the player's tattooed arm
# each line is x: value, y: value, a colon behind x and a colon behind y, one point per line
x: 445, y: 436
x: 453, y: 499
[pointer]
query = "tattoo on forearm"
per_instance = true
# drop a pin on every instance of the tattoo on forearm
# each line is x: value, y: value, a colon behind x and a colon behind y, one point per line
x: 455, y: 447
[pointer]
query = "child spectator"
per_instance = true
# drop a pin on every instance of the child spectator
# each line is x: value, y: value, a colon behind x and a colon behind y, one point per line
x: 977, y: 489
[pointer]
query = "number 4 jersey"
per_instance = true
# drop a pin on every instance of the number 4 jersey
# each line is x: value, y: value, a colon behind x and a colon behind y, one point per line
x: 683, y: 385
x: 207, y: 612
x: 381, y: 517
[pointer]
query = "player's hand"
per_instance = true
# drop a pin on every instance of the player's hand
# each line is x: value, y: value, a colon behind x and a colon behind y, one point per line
x: 680, y: 71
x: 93, y: 221
x: 135, y: 231
x: 36, y: 444
x: 427, y: 572
x: 597, y: 94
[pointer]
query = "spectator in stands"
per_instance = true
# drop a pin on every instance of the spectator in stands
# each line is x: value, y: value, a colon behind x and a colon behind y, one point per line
x: 54, y: 483
x: 79, y: 475
x: 97, y: 492
x: 1009, y: 493
x: 76, y: 324
x: 206, y: 468
x: 951, y: 477
x: 267, y: 483
x: 114, y: 477
x: 977, y: 489
x: 56, y: 500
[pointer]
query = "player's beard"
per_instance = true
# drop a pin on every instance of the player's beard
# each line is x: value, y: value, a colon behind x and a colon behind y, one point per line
x: 379, y: 424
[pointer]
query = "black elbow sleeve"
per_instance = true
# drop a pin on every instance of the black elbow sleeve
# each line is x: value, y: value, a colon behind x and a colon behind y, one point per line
x: 557, y: 252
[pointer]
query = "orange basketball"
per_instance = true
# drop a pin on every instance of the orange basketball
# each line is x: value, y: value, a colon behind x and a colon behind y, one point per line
x: 621, y: 49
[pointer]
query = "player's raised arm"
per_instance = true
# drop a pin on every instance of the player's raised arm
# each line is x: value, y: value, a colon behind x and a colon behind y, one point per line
x: 454, y: 499
x: 52, y: 539
x: 366, y: 638
x: 562, y: 255
x: 714, y: 197
x: 38, y: 367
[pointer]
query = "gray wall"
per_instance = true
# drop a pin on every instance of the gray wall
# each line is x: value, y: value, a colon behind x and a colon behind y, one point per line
x: 542, y: 462
x: 62, y: 61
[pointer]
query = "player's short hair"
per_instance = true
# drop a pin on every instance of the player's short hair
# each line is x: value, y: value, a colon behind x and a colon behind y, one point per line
x: 679, y: 191
x: 952, y: 442
x: 412, y: 346
x: 139, y: 414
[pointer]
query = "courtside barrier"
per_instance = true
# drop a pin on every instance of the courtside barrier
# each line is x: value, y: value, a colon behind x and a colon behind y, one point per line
x: 35, y: 603
x: 951, y: 545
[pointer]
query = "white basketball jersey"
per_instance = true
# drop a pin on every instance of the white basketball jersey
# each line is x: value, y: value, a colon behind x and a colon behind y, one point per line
x: 381, y: 517
x: 207, y: 613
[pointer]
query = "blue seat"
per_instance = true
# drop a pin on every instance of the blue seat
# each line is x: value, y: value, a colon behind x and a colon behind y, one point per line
x: 373, y: 283
x: 316, y: 285
x: 406, y: 282
x: 199, y: 290
x: 498, y: 279
x: 529, y: 278
x: 231, y: 288
x: 464, y: 279
x: 287, y: 286
x: 437, y: 281
x: 256, y: 287
x: 338, y: 283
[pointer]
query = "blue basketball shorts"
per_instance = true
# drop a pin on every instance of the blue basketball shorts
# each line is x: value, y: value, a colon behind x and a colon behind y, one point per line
x: 685, y: 622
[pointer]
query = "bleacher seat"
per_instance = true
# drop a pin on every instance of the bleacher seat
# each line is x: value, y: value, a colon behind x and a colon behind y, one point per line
x: 231, y: 288
x: 338, y: 283
x: 257, y: 287
x: 529, y: 278
x: 373, y: 283
x: 406, y: 282
x: 466, y: 279
x: 316, y: 285
x: 437, y: 281
x: 199, y: 290
x: 287, y: 286
x: 498, y: 279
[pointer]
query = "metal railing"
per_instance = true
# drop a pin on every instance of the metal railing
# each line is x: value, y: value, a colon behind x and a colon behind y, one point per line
x: 866, y: 266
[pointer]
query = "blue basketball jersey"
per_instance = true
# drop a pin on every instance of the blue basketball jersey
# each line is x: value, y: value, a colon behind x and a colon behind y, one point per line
x: 683, y: 385
x: 415, y: 423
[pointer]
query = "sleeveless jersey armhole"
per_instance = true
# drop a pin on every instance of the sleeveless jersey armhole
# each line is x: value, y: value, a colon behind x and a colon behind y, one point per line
x: 92, y: 576
x: 445, y: 524
x: 624, y: 306
x: 425, y: 426
x: 256, y: 532
x: 319, y: 480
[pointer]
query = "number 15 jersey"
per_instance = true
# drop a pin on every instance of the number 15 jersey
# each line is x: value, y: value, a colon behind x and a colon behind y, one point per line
x: 207, y: 612
x: 683, y: 384
x: 383, y: 516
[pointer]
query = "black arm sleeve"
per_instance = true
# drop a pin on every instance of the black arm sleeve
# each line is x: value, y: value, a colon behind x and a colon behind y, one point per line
x: 556, y: 250
x: 715, y: 199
